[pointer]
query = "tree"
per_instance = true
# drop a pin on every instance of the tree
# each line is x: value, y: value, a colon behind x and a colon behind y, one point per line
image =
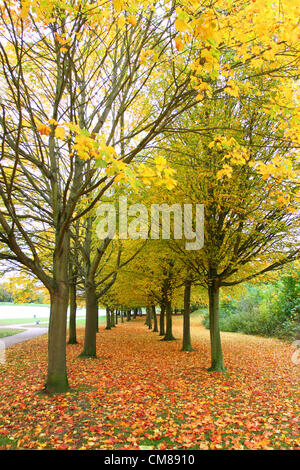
x: 249, y: 191
x: 55, y: 126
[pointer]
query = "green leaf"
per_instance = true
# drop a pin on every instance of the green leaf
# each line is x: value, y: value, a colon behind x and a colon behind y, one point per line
x: 100, y: 164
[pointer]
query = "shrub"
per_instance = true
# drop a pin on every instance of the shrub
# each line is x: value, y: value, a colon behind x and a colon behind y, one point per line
x: 267, y: 310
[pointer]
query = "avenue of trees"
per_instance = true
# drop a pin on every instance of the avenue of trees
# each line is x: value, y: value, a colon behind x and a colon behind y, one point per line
x: 160, y: 102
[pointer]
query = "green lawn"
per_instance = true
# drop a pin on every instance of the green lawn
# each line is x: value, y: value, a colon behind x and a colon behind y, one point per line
x: 3, y: 304
x: 4, y: 333
x: 19, y: 321
x: 43, y: 321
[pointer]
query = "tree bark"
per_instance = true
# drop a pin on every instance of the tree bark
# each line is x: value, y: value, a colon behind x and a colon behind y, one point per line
x: 128, y: 315
x: 108, y: 323
x: 73, y: 308
x: 155, y: 328
x: 57, y: 381
x: 112, y: 318
x: 89, y: 349
x: 147, y: 316
x: 169, y: 335
x: 186, y: 341
x: 148, y: 321
x: 217, y: 363
x: 162, y: 319
x: 97, y: 317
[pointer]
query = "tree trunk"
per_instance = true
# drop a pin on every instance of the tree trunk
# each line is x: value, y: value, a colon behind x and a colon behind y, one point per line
x: 116, y: 317
x: 169, y: 335
x: 97, y: 317
x: 162, y: 319
x: 149, y: 317
x: 155, y: 329
x: 108, y: 323
x: 186, y: 342
x: 217, y: 363
x: 122, y: 316
x: 112, y: 318
x: 57, y: 381
x: 73, y: 308
x: 89, y: 349
x: 128, y: 315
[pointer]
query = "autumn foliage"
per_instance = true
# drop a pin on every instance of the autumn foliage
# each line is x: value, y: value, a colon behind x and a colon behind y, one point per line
x: 143, y: 392
x: 159, y: 103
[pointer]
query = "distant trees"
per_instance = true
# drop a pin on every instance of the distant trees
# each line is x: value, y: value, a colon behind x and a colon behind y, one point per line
x: 5, y: 295
x: 21, y: 288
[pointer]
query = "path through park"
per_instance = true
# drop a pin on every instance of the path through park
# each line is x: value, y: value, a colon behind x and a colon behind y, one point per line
x: 29, y: 332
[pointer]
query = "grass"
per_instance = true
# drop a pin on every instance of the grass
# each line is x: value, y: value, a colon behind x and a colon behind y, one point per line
x: 44, y: 322
x: 20, y: 321
x: 4, y: 333
x: 3, y: 304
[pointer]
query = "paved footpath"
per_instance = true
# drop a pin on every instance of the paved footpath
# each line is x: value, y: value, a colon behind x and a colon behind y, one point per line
x: 29, y: 333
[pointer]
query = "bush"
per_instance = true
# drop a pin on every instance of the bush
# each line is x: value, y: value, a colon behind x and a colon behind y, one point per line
x: 267, y: 310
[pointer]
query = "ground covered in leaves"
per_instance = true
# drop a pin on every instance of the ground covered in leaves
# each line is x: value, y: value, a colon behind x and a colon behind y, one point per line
x: 145, y: 393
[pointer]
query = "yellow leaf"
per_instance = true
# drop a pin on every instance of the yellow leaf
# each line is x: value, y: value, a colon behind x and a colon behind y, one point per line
x: 118, y: 5
x: 170, y: 184
x: 180, y: 25
x: 60, y: 133
x: 160, y: 163
x: 52, y: 122
x: 44, y: 130
x: 25, y: 9
x: 119, y: 177
x: 132, y: 20
x: 179, y: 44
